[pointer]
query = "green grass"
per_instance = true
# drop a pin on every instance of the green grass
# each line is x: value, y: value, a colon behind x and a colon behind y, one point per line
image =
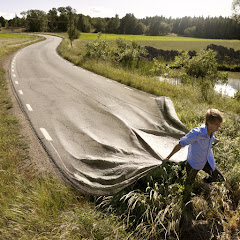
x: 93, y: 36
x: 163, y: 42
x: 36, y: 205
x: 11, y: 35
x: 39, y: 206
x: 218, y: 204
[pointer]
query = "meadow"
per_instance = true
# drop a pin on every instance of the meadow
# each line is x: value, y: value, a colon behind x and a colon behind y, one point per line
x: 15, y: 36
x: 162, y: 42
x: 35, y: 204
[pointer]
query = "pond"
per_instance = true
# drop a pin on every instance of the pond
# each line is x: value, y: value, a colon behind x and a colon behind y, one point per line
x: 228, y: 89
x: 231, y: 87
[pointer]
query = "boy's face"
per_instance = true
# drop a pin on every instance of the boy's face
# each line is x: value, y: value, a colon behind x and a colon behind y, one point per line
x: 214, y: 126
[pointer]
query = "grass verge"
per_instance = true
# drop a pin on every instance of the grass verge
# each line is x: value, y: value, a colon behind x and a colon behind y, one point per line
x: 158, y: 212
x: 40, y: 206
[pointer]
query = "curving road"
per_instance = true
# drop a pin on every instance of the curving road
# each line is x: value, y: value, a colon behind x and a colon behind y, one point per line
x: 100, y: 134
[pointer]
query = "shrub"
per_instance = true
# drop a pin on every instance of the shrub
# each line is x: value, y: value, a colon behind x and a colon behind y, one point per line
x: 237, y: 95
x: 98, y: 49
x: 202, y: 70
x: 128, y: 53
x: 159, y: 68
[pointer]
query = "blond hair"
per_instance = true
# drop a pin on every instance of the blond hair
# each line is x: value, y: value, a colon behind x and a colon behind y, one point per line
x: 213, y: 115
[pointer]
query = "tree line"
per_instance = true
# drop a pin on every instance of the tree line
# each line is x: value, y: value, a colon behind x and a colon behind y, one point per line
x: 57, y: 20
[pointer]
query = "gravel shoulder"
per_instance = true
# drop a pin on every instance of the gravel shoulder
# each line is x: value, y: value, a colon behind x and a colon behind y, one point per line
x: 38, y: 161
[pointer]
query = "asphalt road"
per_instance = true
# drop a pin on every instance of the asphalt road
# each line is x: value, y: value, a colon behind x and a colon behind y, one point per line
x: 101, y: 135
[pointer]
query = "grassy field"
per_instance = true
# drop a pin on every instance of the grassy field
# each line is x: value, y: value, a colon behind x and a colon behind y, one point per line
x: 163, y: 42
x: 38, y: 205
x: 11, y: 35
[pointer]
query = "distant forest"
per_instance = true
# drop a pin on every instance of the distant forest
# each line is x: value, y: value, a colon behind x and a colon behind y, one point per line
x: 58, y: 19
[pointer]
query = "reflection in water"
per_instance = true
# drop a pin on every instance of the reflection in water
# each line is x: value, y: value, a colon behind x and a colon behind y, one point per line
x: 226, y: 89
x: 229, y: 89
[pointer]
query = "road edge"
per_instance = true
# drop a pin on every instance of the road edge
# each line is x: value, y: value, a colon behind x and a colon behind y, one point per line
x: 39, y: 161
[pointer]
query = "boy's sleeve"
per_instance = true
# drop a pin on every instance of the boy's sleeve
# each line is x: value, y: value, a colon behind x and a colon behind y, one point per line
x: 189, y: 138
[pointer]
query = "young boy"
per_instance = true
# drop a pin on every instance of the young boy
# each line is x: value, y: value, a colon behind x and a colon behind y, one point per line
x: 200, y: 155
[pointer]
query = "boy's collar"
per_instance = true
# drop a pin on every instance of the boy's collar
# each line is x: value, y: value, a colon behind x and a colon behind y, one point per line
x: 206, y: 131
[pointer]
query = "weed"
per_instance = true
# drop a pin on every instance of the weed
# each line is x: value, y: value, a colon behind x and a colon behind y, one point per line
x: 40, y: 206
x: 159, y: 210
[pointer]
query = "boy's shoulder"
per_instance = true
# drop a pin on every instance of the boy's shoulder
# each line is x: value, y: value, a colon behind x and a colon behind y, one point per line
x: 199, y: 130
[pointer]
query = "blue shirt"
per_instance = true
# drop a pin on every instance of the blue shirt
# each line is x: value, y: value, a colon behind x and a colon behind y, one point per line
x: 200, y: 147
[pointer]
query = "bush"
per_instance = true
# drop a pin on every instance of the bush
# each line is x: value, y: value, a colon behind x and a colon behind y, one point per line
x: 128, y: 53
x: 98, y: 49
x: 237, y: 95
x: 203, y: 71
x: 159, y: 68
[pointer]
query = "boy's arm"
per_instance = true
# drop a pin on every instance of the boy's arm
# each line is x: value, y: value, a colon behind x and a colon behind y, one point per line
x: 175, y: 150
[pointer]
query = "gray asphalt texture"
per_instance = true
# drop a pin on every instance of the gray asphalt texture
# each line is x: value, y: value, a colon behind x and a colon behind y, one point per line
x: 100, y: 134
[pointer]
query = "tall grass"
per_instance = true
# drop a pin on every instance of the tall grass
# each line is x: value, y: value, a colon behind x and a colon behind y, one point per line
x: 37, y: 205
x: 159, y: 206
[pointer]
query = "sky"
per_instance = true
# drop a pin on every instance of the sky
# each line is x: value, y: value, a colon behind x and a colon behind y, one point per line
x: 109, y: 8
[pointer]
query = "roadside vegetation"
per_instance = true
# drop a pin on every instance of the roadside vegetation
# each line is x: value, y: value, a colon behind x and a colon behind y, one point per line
x: 33, y: 204
x: 155, y: 207
x: 40, y: 206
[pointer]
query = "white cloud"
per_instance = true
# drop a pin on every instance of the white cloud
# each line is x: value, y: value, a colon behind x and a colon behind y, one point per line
x: 7, y: 15
x: 99, y: 12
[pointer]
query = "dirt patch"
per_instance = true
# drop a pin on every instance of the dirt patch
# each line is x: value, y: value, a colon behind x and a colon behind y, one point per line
x: 38, y: 161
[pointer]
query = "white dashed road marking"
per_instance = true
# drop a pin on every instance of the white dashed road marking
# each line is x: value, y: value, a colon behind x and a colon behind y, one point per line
x: 46, y: 134
x: 21, y: 92
x: 16, y: 82
x: 128, y: 88
x: 29, y: 107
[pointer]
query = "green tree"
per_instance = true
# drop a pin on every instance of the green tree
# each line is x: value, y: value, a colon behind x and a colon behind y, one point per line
x: 236, y: 10
x: 99, y: 25
x: 154, y: 28
x: 190, y: 32
x: 201, y: 71
x: 140, y: 29
x: 73, y: 32
x: 113, y: 25
x: 83, y: 23
x: 128, y: 24
x: 52, y: 20
x: 63, y: 19
x: 164, y: 28
x: 36, y: 20
x: 2, y: 21
x: 158, y: 26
